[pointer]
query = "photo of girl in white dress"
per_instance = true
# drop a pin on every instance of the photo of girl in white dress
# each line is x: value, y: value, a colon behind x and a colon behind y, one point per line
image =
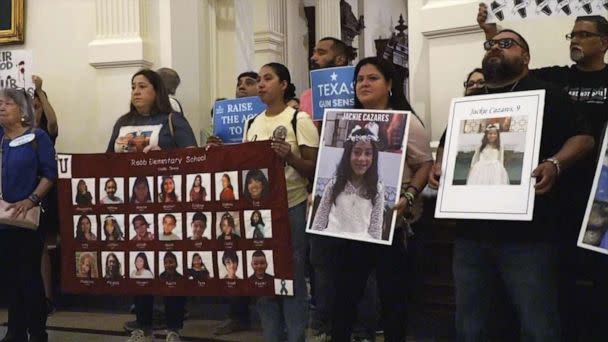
x: 487, y: 165
x: 353, y: 201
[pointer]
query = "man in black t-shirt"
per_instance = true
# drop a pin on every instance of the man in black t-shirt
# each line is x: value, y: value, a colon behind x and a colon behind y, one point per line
x: 586, y: 83
x: 520, y: 254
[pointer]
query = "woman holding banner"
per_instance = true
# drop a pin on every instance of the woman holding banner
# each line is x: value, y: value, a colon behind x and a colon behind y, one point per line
x: 150, y: 112
x: 373, y: 83
x: 299, y: 150
x: 28, y: 170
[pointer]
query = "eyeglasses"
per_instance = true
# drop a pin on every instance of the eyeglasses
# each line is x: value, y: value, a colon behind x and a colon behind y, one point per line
x: 504, y: 43
x: 471, y: 84
x: 582, y: 35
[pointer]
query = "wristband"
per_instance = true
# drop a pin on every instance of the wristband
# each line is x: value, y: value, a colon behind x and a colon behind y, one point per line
x: 34, y: 198
x: 555, y: 162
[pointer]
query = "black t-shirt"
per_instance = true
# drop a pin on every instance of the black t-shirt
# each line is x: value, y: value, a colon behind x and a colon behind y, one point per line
x: 560, y: 122
x: 589, y: 92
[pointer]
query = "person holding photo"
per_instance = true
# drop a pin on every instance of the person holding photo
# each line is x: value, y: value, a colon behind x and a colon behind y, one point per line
x: 83, y: 195
x: 298, y: 148
x: 112, y: 230
x: 227, y: 193
x: 141, y: 191
x: 258, y: 225
x: 84, y: 231
x: 197, y: 271
x: 198, y: 193
x: 256, y: 185
x: 150, y: 112
x: 373, y: 90
x: 142, y: 268
x: 167, y: 191
x: 110, y: 189
x: 487, y: 165
x: 353, y: 201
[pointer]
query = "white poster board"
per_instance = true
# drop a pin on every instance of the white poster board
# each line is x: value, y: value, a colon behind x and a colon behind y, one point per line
x: 16, y: 70
x: 593, y: 230
x: 491, y: 149
x: 368, y: 143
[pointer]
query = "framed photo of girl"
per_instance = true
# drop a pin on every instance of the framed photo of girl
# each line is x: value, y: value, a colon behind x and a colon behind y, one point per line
x: 593, y: 231
x: 491, y: 149
x: 358, y: 174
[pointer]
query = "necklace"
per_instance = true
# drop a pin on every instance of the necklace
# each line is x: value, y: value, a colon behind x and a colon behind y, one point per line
x: 510, y: 90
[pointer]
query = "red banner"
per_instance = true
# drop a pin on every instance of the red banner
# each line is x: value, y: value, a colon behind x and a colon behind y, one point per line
x: 181, y: 222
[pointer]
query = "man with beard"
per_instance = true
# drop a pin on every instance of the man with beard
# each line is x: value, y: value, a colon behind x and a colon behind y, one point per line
x: 586, y: 82
x: 328, y: 53
x: 519, y: 254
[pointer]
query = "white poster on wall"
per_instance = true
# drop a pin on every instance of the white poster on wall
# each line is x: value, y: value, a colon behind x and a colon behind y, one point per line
x: 491, y: 149
x: 16, y: 70
x: 499, y: 10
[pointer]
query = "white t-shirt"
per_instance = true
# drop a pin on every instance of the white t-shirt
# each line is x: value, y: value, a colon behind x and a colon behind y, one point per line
x: 263, y: 127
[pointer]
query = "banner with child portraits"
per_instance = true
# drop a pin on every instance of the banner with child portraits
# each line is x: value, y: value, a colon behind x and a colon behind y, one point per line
x: 499, y: 10
x: 358, y: 175
x: 491, y: 148
x: 188, y: 222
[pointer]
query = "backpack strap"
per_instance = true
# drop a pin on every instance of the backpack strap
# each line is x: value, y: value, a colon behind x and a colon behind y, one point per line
x: 294, y: 124
x: 171, y: 128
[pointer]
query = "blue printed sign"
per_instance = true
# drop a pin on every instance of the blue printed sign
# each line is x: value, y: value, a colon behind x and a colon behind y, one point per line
x: 332, y: 88
x: 229, y: 117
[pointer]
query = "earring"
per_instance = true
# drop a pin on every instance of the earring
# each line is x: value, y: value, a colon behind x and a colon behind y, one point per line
x: 390, y: 92
x: 23, y: 118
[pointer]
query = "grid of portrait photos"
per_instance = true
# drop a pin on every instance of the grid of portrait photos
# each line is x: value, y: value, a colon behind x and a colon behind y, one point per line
x: 492, y: 144
x: 593, y: 234
x: 369, y: 146
x: 212, y: 231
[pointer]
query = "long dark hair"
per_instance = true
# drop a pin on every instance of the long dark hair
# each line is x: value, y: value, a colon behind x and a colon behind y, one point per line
x: 167, y: 196
x: 117, y: 233
x: 261, y: 221
x: 484, y: 140
x: 344, y: 171
x: 145, y: 258
x: 161, y: 103
x: 79, y: 232
x: 397, y: 99
x: 257, y: 175
x: 140, y: 180
x: 283, y: 74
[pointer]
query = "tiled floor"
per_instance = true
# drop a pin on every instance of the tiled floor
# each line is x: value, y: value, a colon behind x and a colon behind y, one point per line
x: 93, y: 327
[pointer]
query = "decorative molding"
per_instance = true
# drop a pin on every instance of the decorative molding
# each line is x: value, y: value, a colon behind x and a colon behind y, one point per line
x: 122, y: 34
x: 327, y: 19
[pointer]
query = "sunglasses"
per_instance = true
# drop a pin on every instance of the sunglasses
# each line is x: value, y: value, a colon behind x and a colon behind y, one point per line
x: 504, y: 43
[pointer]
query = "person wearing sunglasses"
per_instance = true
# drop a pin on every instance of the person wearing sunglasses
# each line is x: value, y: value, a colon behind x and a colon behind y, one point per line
x: 586, y: 82
x: 520, y: 255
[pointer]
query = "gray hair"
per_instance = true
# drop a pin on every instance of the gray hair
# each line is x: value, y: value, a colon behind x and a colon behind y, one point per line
x: 170, y: 79
x: 23, y: 101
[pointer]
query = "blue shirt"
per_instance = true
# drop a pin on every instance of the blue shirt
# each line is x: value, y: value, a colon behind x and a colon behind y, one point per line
x: 23, y: 165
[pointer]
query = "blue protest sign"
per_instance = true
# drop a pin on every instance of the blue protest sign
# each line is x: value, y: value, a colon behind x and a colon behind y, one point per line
x: 229, y: 117
x: 332, y: 88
